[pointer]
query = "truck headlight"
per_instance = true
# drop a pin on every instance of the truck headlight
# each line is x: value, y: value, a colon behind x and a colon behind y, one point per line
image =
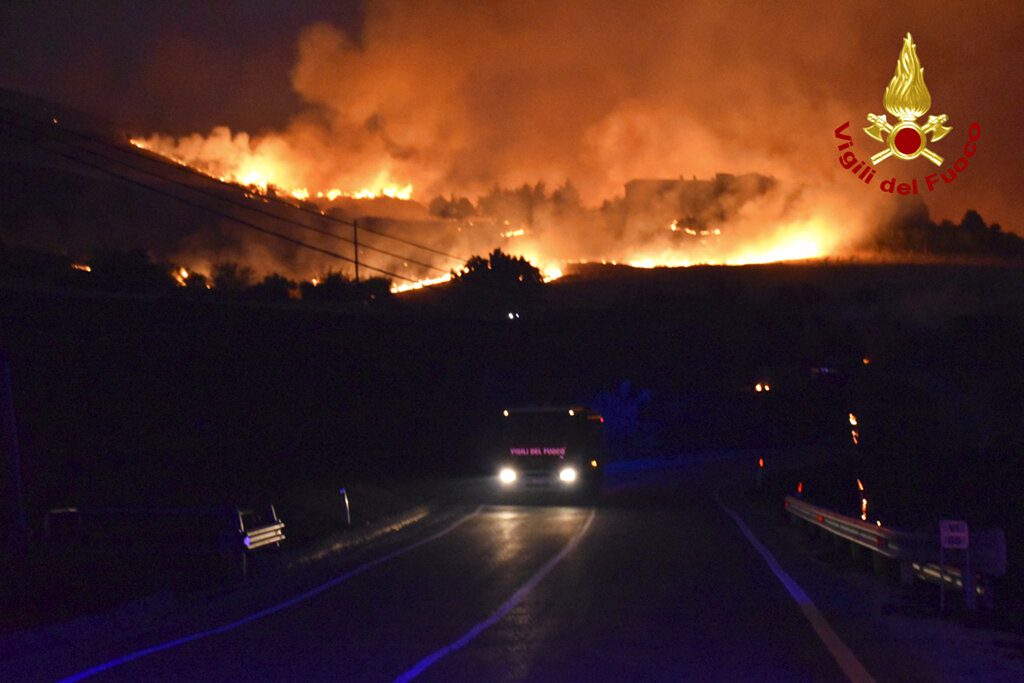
x: 507, y: 475
x: 568, y: 475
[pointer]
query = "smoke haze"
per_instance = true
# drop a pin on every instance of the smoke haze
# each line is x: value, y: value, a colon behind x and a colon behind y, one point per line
x: 455, y: 98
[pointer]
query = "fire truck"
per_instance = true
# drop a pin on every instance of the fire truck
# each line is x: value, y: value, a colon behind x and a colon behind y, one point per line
x: 557, y: 449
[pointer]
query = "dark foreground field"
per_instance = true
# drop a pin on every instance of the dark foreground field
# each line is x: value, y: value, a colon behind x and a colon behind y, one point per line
x: 125, y: 400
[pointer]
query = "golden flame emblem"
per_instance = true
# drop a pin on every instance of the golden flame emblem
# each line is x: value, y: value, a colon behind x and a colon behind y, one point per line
x: 907, y: 98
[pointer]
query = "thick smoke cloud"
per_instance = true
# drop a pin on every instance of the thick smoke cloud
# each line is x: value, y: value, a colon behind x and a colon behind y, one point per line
x: 458, y: 97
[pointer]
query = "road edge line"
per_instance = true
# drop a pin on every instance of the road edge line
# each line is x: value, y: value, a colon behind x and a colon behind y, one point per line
x: 267, y: 611
x: 847, y: 661
x: 506, y: 607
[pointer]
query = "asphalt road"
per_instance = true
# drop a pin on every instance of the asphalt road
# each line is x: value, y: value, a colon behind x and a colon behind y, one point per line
x: 654, y: 582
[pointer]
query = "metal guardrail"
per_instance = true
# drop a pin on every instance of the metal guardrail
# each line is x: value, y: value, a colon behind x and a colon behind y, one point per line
x: 259, y: 536
x: 889, y: 543
x: 917, y: 553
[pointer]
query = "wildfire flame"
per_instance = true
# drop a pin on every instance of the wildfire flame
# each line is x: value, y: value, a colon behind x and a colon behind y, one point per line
x: 420, y: 284
x: 550, y: 273
x: 907, y: 96
x: 260, y: 172
x: 806, y: 242
x: 418, y: 107
x: 266, y: 166
x: 180, y: 276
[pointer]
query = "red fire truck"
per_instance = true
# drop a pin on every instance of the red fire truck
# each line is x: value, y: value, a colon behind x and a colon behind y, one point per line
x: 551, y: 448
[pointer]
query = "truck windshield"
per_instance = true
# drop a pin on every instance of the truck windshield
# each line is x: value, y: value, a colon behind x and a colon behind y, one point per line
x: 555, y: 431
x: 542, y: 427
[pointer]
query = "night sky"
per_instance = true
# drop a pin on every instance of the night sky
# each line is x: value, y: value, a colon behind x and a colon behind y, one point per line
x: 172, y: 66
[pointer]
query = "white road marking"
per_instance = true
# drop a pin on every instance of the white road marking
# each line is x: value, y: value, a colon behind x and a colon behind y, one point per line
x: 507, y: 607
x: 273, y: 609
x: 847, y: 661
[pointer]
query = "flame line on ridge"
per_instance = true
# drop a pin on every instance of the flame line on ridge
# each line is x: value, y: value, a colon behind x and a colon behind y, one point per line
x: 131, y: 151
x: 167, y: 161
x: 188, y: 202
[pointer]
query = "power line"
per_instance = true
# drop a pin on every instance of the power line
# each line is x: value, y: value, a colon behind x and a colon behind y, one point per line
x: 213, y: 195
x: 154, y: 157
x: 227, y: 216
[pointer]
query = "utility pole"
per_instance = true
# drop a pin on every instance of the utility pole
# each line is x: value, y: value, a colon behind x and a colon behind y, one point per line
x: 17, y: 532
x: 355, y: 241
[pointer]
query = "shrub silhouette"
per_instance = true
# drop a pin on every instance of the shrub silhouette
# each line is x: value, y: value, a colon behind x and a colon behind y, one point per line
x: 498, y: 279
x: 274, y: 287
x: 130, y: 271
x: 232, y: 278
x: 335, y: 287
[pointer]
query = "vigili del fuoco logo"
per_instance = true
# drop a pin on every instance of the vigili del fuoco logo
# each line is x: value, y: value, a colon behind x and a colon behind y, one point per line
x: 907, y: 99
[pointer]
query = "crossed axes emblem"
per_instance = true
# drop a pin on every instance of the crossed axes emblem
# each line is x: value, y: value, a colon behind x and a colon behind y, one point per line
x: 906, y: 139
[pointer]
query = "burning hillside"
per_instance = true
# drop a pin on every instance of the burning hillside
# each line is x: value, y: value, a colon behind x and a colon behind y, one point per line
x: 578, y: 133
x: 231, y: 217
x: 727, y: 220
x: 537, y: 124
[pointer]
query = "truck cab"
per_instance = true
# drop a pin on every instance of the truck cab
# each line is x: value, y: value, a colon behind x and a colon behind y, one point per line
x: 556, y: 449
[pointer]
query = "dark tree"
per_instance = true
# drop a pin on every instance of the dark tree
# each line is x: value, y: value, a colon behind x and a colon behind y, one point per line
x: 333, y: 287
x: 232, y: 278
x: 455, y: 208
x: 913, y: 232
x: 197, y: 282
x: 376, y: 289
x: 130, y: 271
x: 499, y: 279
x: 567, y: 197
x: 273, y: 288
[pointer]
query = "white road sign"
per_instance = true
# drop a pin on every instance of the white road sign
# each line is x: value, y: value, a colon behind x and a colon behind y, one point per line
x: 953, y: 534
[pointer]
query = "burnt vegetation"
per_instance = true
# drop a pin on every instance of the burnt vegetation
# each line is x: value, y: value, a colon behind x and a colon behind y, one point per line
x: 135, y: 272
x: 914, y: 233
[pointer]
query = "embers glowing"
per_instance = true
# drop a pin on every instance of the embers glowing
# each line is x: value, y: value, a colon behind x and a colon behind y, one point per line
x: 854, y: 432
x: 180, y: 276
